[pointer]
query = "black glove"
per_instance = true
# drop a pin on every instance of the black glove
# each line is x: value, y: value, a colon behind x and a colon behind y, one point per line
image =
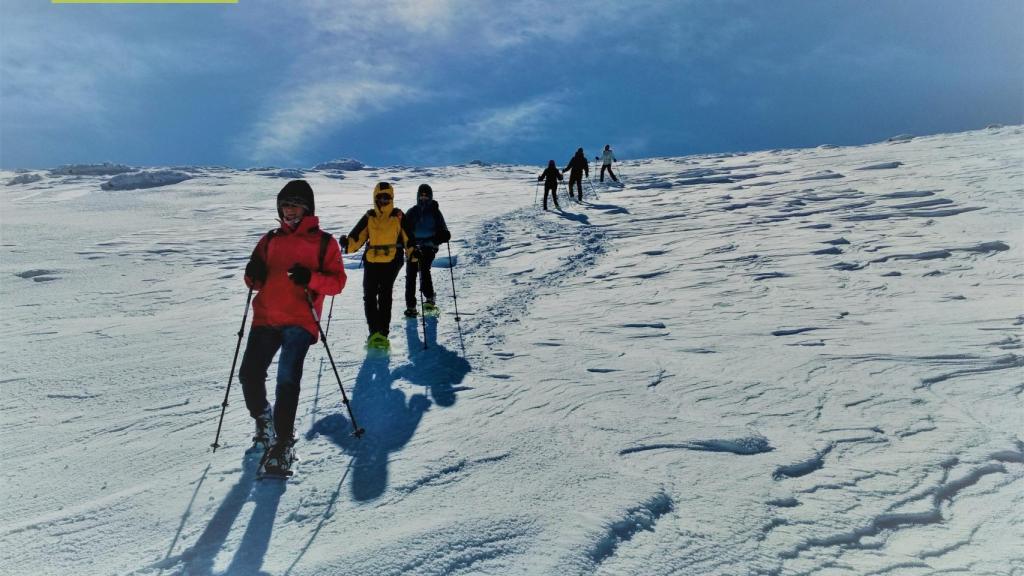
x: 256, y: 270
x: 343, y: 241
x: 442, y: 236
x: 417, y: 252
x: 300, y: 274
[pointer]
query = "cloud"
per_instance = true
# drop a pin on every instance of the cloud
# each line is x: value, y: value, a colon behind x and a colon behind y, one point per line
x: 424, y: 43
x: 306, y: 113
x: 492, y: 131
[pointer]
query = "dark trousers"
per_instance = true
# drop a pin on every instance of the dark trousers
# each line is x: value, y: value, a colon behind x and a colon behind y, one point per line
x: 553, y: 189
x: 608, y: 167
x: 422, y: 266
x: 263, y: 344
x: 576, y: 179
x: 378, y: 282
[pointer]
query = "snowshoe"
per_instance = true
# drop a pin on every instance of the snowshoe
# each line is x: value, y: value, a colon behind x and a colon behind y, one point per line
x: 378, y: 341
x: 277, y: 462
x: 430, y: 310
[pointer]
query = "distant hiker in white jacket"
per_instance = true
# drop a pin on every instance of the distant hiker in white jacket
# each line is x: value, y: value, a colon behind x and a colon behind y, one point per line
x: 607, y: 157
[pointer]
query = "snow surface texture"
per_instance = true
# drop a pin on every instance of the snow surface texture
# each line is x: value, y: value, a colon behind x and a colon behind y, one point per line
x: 782, y: 363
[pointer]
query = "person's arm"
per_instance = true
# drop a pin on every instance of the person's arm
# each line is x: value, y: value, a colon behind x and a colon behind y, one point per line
x: 442, y: 234
x: 358, y: 236
x: 404, y: 238
x: 332, y: 279
x: 409, y: 223
x: 256, y: 269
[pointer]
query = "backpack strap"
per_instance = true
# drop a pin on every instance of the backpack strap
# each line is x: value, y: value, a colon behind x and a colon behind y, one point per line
x: 266, y: 247
x: 325, y: 240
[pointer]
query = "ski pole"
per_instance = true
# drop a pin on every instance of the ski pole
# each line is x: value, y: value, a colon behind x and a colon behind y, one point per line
x: 320, y: 372
x: 593, y: 191
x: 330, y: 314
x: 458, y: 320
x: 423, y: 316
x: 536, y: 187
x: 238, y: 346
x: 423, y: 309
x: 357, y: 431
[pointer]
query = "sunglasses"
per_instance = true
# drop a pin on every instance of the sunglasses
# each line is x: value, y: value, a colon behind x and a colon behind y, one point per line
x: 291, y: 205
x: 383, y: 197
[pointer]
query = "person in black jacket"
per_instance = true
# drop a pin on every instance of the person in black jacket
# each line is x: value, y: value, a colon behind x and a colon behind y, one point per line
x: 551, y: 176
x: 579, y: 166
x: 425, y: 226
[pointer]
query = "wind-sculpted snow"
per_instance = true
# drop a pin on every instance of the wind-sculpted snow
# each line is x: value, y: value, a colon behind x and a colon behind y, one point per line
x: 767, y: 363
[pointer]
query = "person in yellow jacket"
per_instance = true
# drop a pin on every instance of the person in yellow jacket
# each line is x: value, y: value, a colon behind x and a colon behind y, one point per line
x: 381, y: 230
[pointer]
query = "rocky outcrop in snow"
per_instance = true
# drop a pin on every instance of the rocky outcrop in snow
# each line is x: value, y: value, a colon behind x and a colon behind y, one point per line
x: 27, y: 178
x: 104, y: 169
x: 145, y: 179
x: 342, y: 164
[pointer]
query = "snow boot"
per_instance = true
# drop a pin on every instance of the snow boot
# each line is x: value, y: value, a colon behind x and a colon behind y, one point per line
x: 264, y: 435
x: 277, y: 463
x: 410, y: 313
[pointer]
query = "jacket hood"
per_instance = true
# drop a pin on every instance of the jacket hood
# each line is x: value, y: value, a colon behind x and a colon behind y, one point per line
x: 384, y: 188
x: 296, y: 192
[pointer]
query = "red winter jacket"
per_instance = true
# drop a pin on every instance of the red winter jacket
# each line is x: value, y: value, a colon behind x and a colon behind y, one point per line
x: 280, y: 302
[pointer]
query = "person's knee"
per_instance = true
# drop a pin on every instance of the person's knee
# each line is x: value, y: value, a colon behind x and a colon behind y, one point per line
x: 289, y: 386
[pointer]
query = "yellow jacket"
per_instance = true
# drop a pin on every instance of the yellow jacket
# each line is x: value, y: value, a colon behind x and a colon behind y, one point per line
x: 381, y: 229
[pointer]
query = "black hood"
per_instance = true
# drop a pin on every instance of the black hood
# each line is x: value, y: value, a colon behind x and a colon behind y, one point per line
x: 298, y: 192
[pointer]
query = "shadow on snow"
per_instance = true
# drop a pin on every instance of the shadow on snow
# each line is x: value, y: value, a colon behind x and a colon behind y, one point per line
x: 248, y: 558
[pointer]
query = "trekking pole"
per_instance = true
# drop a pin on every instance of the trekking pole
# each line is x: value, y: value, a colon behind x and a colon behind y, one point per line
x: 330, y: 314
x: 320, y: 372
x: 565, y: 186
x: 458, y: 320
x: 536, y: 187
x: 593, y: 191
x: 423, y: 317
x: 238, y: 346
x: 356, y: 430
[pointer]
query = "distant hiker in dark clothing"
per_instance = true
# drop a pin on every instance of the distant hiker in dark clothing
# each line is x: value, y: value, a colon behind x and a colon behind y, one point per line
x: 381, y: 229
x: 551, y: 177
x: 289, y: 263
x: 578, y: 166
x: 425, y: 226
x: 607, y: 157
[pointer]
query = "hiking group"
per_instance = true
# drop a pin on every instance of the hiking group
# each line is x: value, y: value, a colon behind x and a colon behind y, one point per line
x: 295, y: 266
x: 578, y: 168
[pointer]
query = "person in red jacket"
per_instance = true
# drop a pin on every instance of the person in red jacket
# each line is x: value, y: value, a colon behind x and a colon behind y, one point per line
x: 289, y: 264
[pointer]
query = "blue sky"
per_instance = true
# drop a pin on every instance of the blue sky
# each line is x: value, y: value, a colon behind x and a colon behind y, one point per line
x: 431, y: 82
